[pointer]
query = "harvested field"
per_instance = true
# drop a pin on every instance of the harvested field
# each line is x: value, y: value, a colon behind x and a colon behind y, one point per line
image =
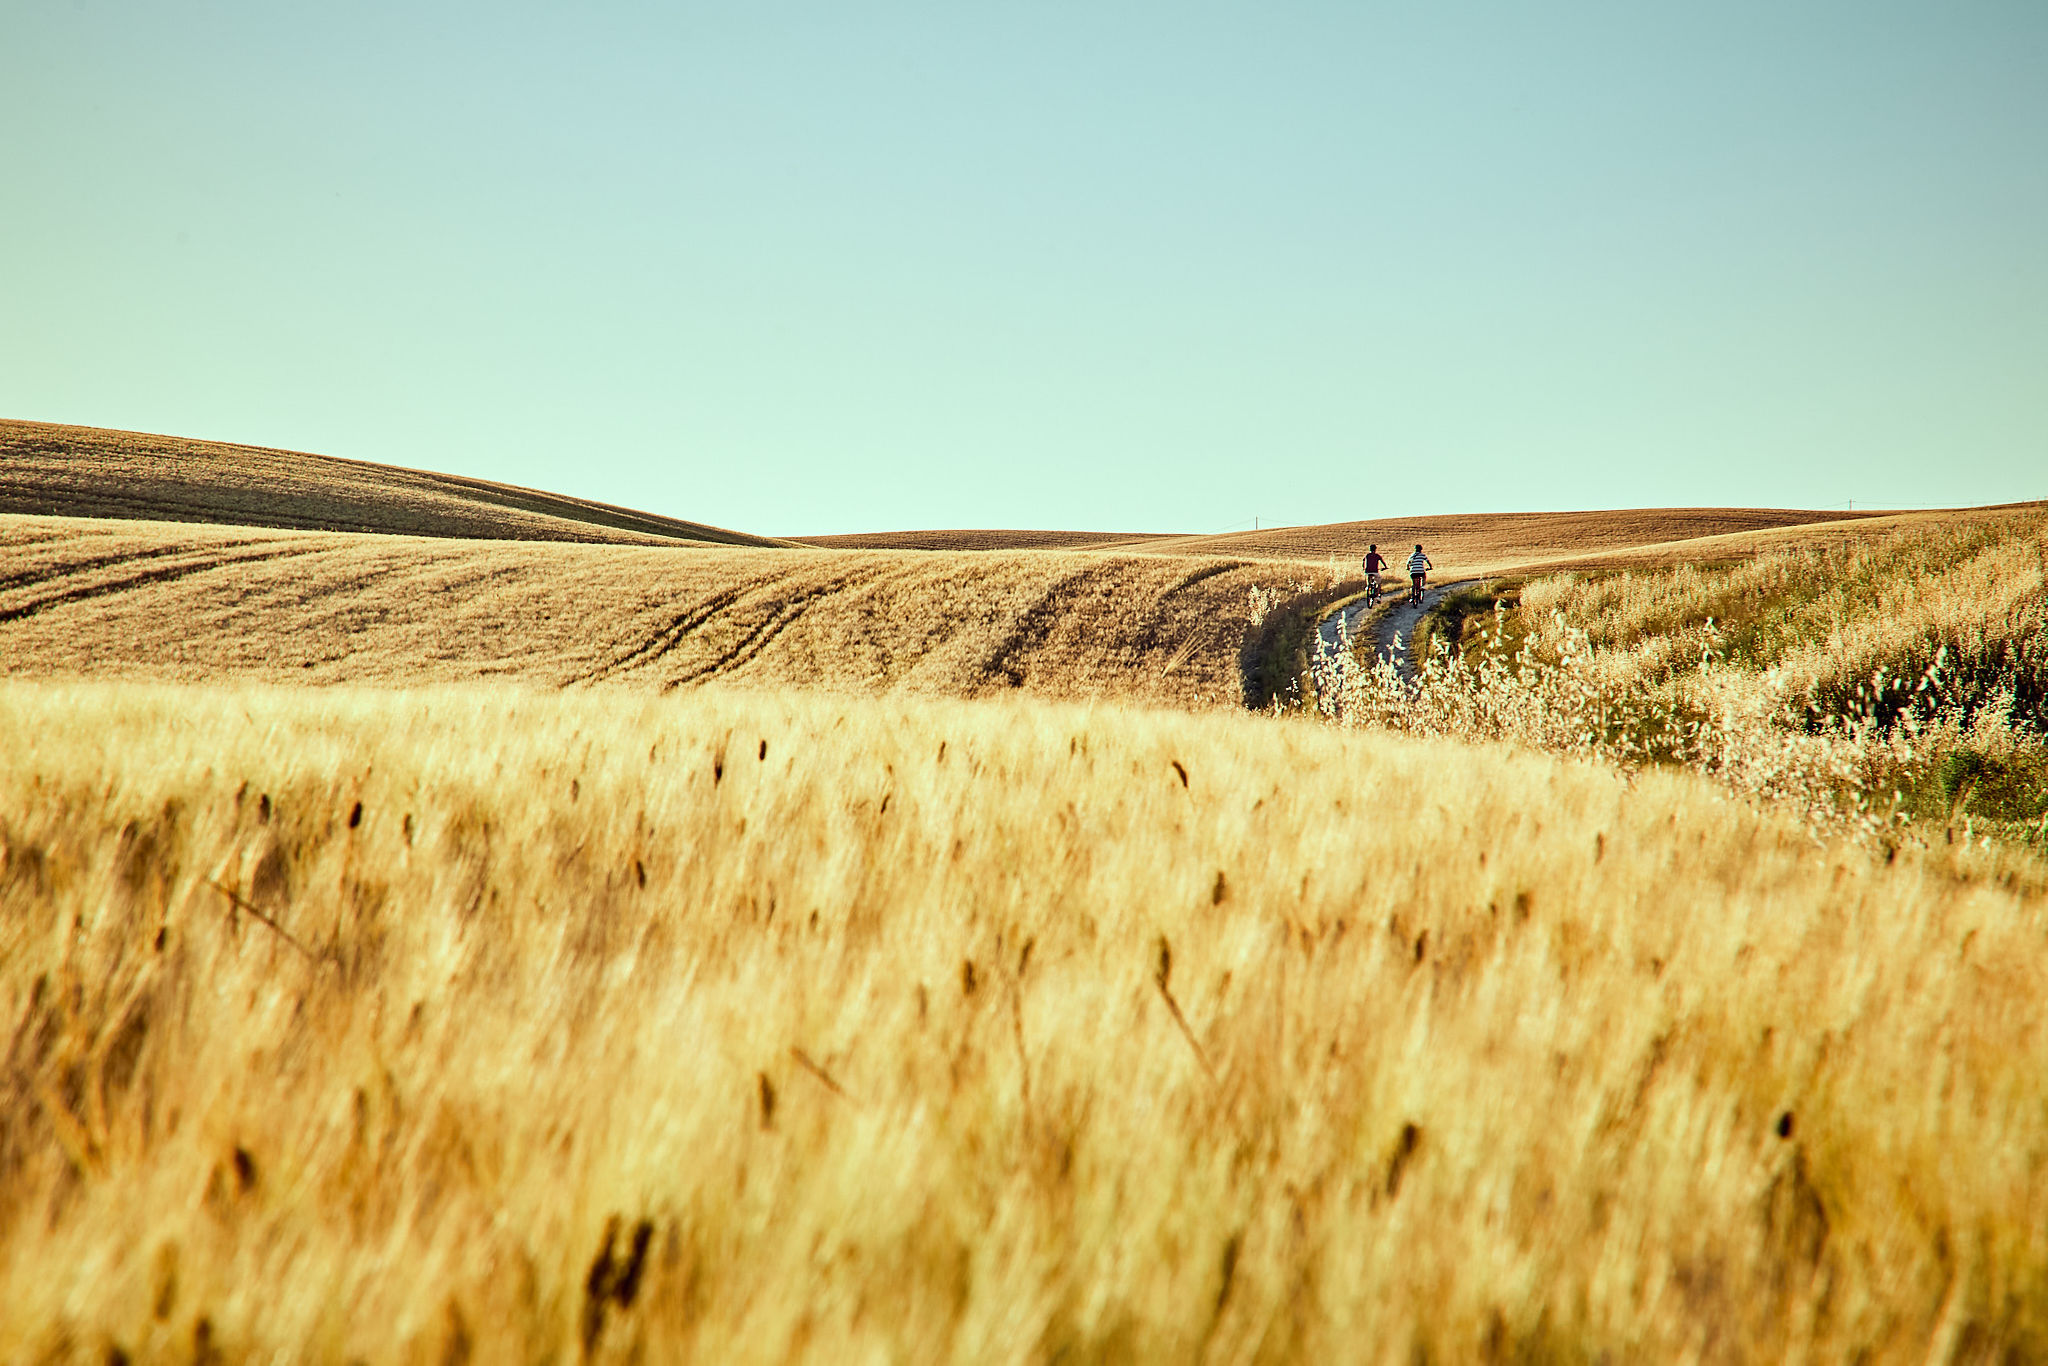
x: 64, y: 471
x: 1488, y: 543
x: 1462, y: 546
x: 49, y: 469
x: 1496, y: 541
x: 984, y: 540
x: 1817, y: 537
x: 181, y: 602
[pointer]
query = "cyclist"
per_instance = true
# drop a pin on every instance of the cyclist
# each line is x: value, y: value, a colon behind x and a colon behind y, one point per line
x: 1418, y: 570
x: 1374, y: 563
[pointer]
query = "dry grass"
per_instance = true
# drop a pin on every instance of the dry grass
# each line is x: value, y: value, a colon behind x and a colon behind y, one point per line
x: 1871, y: 679
x: 739, y: 1027
x: 984, y: 540
x: 1489, y: 543
x: 1724, y: 549
x: 48, y: 469
x: 1461, y: 546
x: 1825, y: 616
x: 54, y: 470
x: 571, y: 1008
x: 193, y: 603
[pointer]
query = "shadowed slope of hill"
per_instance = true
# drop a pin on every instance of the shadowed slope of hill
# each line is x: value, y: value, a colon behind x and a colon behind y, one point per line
x: 55, y: 470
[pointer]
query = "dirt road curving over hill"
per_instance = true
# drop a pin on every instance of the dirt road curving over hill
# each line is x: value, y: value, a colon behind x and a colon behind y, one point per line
x: 1390, y: 626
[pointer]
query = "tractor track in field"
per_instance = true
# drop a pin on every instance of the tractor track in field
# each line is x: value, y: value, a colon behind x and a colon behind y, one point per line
x: 165, y: 574
x: 668, y: 637
x: 750, y: 646
x: 1035, y: 627
x: 71, y: 569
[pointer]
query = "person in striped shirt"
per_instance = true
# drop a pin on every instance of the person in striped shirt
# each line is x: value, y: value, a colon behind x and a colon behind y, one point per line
x: 1418, y: 569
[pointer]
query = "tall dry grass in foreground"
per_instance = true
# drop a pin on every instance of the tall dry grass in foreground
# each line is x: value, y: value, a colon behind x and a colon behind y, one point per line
x: 755, y: 1027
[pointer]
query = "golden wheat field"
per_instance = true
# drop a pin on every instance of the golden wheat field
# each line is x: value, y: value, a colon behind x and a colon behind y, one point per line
x: 984, y: 540
x: 166, y: 601
x: 1462, y: 546
x: 47, y: 469
x: 527, y: 931
x: 477, y: 1023
x: 50, y: 469
x: 1492, y: 543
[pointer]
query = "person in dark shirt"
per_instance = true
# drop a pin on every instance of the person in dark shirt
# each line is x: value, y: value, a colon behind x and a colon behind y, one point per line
x: 1374, y: 564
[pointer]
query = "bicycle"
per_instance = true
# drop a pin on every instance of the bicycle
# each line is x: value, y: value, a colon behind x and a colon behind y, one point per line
x: 1373, y: 563
x: 1418, y: 567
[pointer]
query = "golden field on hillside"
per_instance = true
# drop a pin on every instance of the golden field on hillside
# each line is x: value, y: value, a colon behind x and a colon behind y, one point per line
x: 195, y: 603
x: 982, y: 540
x: 48, y: 469
x: 1489, y: 543
x: 1461, y: 546
x: 476, y: 945
x: 475, y: 1023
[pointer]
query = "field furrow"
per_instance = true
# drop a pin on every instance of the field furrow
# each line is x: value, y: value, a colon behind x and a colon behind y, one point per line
x: 155, y: 600
x: 784, y: 611
x: 665, y: 639
x: 200, y: 564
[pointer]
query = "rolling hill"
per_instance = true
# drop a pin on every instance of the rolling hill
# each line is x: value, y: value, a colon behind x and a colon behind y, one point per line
x: 151, y: 557
x: 1465, y: 543
x: 106, y: 598
x: 986, y: 540
x: 641, y: 952
x: 64, y: 471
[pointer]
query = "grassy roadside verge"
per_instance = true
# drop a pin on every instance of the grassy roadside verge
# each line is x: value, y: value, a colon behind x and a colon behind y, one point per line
x: 1461, y: 614
x: 1275, y: 658
x: 1900, y: 685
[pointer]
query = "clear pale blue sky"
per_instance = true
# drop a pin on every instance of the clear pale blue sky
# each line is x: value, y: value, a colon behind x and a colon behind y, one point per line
x: 796, y: 266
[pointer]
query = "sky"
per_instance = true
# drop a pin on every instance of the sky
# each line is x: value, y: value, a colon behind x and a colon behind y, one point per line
x: 799, y: 267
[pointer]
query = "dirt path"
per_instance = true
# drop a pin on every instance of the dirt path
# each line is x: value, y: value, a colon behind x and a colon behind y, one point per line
x: 1394, y: 617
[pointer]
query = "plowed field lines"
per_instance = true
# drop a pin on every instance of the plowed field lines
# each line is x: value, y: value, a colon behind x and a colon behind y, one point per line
x: 146, y: 600
x: 757, y: 639
x: 199, y: 563
x: 668, y: 637
x: 1008, y: 665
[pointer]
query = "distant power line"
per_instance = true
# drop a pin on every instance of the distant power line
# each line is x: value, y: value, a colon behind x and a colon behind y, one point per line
x: 1880, y: 505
